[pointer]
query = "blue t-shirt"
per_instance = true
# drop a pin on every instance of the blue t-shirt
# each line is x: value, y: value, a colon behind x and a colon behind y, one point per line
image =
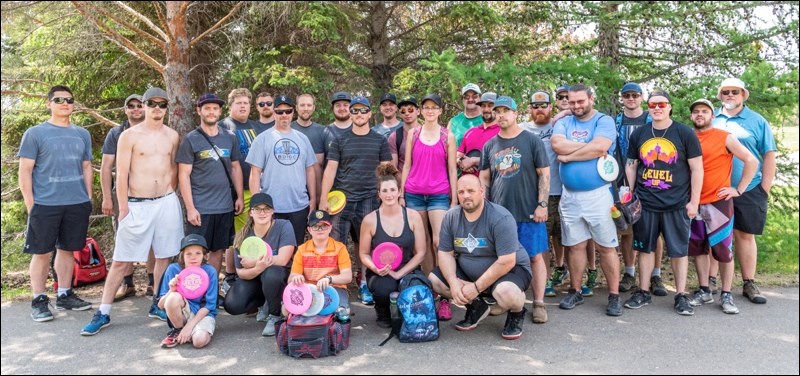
x: 209, y: 299
x: 245, y: 133
x: 58, y: 153
x: 754, y: 132
x: 582, y: 175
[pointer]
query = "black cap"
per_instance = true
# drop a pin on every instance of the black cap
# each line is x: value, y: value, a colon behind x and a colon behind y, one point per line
x: 659, y: 93
x: 318, y: 216
x: 340, y: 96
x: 193, y: 239
x: 433, y: 97
x: 261, y: 198
x: 209, y: 98
x: 283, y: 99
x: 410, y: 100
x: 388, y: 97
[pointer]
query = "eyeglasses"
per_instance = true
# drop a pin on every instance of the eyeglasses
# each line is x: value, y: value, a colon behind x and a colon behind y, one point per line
x: 60, y: 100
x: 264, y: 104
x: 430, y: 108
x: 407, y: 111
x: 540, y: 105
x: 562, y: 97
x: 132, y: 106
x: 658, y: 104
x: 630, y: 95
x: 261, y: 210
x: 473, y: 96
x: 287, y: 111
x: 356, y: 111
x: 154, y: 104
x: 734, y: 92
x: 320, y: 227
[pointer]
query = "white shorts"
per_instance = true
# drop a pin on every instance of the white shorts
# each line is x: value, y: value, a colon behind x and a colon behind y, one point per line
x: 156, y: 222
x: 587, y: 215
x: 207, y: 324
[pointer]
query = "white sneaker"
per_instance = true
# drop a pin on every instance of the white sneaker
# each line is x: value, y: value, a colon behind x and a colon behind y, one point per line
x: 263, y: 313
x: 269, y: 328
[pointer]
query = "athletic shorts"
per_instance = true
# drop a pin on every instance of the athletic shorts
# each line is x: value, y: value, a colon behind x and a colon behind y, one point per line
x: 587, y: 215
x: 427, y: 202
x: 750, y: 211
x: 673, y: 225
x: 518, y: 275
x: 533, y: 237
x: 207, y: 324
x: 350, y: 218
x: 217, y: 229
x: 713, y: 231
x: 57, y: 227
x: 156, y: 222
x: 241, y: 219
x: 554, y: 218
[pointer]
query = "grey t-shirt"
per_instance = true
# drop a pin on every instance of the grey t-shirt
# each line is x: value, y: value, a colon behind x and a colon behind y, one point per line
x: 333, y: 132
x: 478, y: 244
x: 284, y: 158
x: 358, y: 157
x: 245, y: 134
x: 58, y: 153
x: 544, y: 134
x: 512, y: 164
x: 385, y: 132
x: 112, y: 138
x: 211, y: 191
x: 315, y: 133
x: 281, y: 235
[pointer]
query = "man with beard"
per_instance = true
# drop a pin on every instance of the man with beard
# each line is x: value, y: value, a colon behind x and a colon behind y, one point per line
x: 340, y: 103
x: 409, y: 112
x: 479, y: 252
x: 469, y: 151
x: 208, y: 160
x: 471, y: 116
x: 390, y: 122
x: 750, y: 210
x: 711, y: 230
x: 264, y: 106
x: 352, y: 160
x: 315, y: 133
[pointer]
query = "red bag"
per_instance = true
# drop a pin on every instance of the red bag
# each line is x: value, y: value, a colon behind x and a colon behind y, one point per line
x: 90, y: 265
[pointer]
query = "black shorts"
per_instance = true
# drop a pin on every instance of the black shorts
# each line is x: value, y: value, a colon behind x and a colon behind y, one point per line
x: 673, y: 225
x: 750, y: 211
x: 299, y: 220
x: 216, y: 228
x: 63, y: 227
x: 518, y: 276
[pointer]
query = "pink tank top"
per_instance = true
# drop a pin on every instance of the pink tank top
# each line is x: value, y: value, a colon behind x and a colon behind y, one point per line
x: 428, y: 173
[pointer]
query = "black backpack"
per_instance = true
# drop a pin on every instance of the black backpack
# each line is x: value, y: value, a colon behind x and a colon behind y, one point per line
x: 417, y: 320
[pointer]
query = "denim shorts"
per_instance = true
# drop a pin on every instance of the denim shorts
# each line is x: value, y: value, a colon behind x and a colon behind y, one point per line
x: 427, y: 202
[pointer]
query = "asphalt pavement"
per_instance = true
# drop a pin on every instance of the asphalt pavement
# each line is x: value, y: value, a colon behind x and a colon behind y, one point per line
x: 762, y: 339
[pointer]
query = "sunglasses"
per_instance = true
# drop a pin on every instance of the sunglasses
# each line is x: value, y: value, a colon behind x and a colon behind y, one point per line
x: 60, y: 100
x: 734, y: 92
x: 407, y: 111
x: 538, y: 106
x: 630, y: 95
x: 356, y: 111
x: 287, y: 111
x: 264, y: 104
x: 132, y: 106
x: 658, y: 104
x: 562, y: 97
x: 154, y: 104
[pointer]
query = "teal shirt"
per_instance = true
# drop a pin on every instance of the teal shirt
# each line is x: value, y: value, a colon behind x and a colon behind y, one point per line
x: 754, y: 132
x: 460, y: 124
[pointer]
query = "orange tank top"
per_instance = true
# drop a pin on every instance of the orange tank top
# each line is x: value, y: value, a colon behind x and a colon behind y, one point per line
x: 717, y: 163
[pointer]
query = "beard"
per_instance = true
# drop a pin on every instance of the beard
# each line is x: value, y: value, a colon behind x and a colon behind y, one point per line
x: 488, y: 119
x: 541, y: 119
x: 304, y: 117
x: 730, y: 105
x: 341, y: 117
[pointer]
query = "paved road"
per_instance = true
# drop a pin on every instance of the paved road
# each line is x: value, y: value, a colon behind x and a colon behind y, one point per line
x: 654, y: 340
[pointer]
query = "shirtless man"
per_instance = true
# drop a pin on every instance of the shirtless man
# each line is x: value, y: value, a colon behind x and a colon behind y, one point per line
x: 149, y: 210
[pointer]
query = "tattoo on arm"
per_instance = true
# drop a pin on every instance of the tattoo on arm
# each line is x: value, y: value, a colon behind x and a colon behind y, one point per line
x: 544, y: 186
x: 632, y: 162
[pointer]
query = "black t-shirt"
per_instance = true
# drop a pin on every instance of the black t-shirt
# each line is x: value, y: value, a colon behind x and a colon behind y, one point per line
x: 624, y: 130
x: 358, y: 157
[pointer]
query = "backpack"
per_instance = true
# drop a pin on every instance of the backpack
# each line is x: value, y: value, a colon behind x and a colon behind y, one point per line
x: 417, y: 321
x: 312, y: 336
x: 90, y: 265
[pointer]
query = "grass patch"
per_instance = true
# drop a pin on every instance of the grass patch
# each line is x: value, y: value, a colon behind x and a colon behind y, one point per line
x: 778, y: 247
x: 789, y: 137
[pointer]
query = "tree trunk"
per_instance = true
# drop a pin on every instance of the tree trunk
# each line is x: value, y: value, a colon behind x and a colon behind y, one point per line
x: 382, y: 72
x: 176, y: 72
x: 608, y: 34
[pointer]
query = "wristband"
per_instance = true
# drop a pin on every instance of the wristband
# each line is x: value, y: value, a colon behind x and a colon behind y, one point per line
x: 476, y: 287
x: 330, y: 280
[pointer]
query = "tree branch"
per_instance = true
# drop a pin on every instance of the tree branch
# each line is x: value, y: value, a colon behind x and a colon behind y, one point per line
x: 218, y: 25
x: 168, y: 35
x: 144, y: 19
x: 160, y: 43
x: 78, y: 106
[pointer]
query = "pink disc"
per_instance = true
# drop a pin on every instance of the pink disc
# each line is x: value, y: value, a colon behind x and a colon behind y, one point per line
x: 192, y: 282
x: 387, y: 253
x: 297, y: 299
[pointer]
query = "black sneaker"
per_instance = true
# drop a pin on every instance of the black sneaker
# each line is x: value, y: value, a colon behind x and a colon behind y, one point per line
x: 682, y: 305
x: 627, y: 283
x: 638, y: 299
x: 572, y: 299
x: 71, y: 302
x: 513, y: 327
x: 477, y: 310
x: 657, y: 287
x: 40, y: 312
x: 614, y: 307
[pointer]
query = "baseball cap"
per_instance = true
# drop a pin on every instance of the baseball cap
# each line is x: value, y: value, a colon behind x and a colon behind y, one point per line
x: 318, y: 216
x: 470, y: 86
x: 388, y: 97
x: 562, y: 88
x: 701, y: 101
x: 435, y: 98
x: 154, y: 92
x: 505, y: 101
x: 410, y: 100
x: 659, y: 93
x: 631, y: 86
x: 340, y: 96
x: 193, y: 239
x: 261, y: 198
x: 132, y: 97
x: 359, y: 100
x: 540, y: 96
x: 209, y: 98
x: 732, y: 82
x: 282, y: 99
x: 487, y: 97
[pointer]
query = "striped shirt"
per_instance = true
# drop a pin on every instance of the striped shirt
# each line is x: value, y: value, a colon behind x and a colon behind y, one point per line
x: 315, y: 266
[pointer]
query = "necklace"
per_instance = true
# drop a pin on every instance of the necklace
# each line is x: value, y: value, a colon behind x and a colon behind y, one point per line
x: 652, y: 130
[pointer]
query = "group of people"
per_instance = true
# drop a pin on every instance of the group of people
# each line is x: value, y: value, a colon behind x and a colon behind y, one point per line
x: 476, y: 205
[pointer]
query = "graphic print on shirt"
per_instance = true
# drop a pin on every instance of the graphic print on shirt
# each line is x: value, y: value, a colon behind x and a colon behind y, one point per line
x: 470, y: 242
x: 286, y: 152
x: 209, y: 153
x: 507, y: 162
x: 655, y: 150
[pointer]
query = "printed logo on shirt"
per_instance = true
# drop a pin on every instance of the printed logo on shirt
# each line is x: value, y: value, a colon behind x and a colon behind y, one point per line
x: 507, y: 162
x: 579, y: 135
x: 286, y: 151
x: 470, y: 243
x: 732, y: 127
x: 654, y: 150
x: 209, y: 153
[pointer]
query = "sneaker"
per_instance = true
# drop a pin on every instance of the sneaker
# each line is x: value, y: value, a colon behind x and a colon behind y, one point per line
x: 627, y: 283
x: 549, y: 291
x: 614, y: 307
x: 490, y: 300
x: 560, y: 274
x: 657, y: 287
x: 226, y: 284
x: 477, y: 310
x: 40, y: 312
x: 751, y: 291
x: 682, y: 305
x: 269, y: 329
x: 171, y: 340
x: 71, y: 302
x: 366, y: 295
x: 513, y: 327
x: 712, y: 284
x: 149, y: 291
x: 727, y: 303
x: 638, y: 299
x: 699, y: 297
x: 157, y: 313
x: 444, y: 313
x: 124, y: 291
x: 263, y: 313
x: 591, y: 280
x: 572, y: 299
x: 539, y: 314
x: 99, y: 321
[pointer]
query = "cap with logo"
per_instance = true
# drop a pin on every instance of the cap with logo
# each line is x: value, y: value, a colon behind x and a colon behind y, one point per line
x: 702, y: 101
x: 472, y: 87
x: 132, y: 97
x: 732, y: 82
x: 359, y: 100
x: 487, y: 97
x: 318, y: 216
x: 389, y: 97
x: 193, y: 239
x: 283, y: 99
x: 433, y: 97
x: 540, y: 96
x: 154, y: 92
x: 631, y: 87
x: 406, y: 101
x: 261, y: 198
x: 505, y: 101
x: 340, y: 96
x: 209, y: 98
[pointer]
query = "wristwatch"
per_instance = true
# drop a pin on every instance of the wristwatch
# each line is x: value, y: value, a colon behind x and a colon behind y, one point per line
x: 543, y: 204
x: 330, y: 280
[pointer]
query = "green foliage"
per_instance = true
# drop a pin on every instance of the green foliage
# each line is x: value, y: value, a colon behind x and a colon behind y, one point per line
x: 778, y: 247
x: 14, y: 218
